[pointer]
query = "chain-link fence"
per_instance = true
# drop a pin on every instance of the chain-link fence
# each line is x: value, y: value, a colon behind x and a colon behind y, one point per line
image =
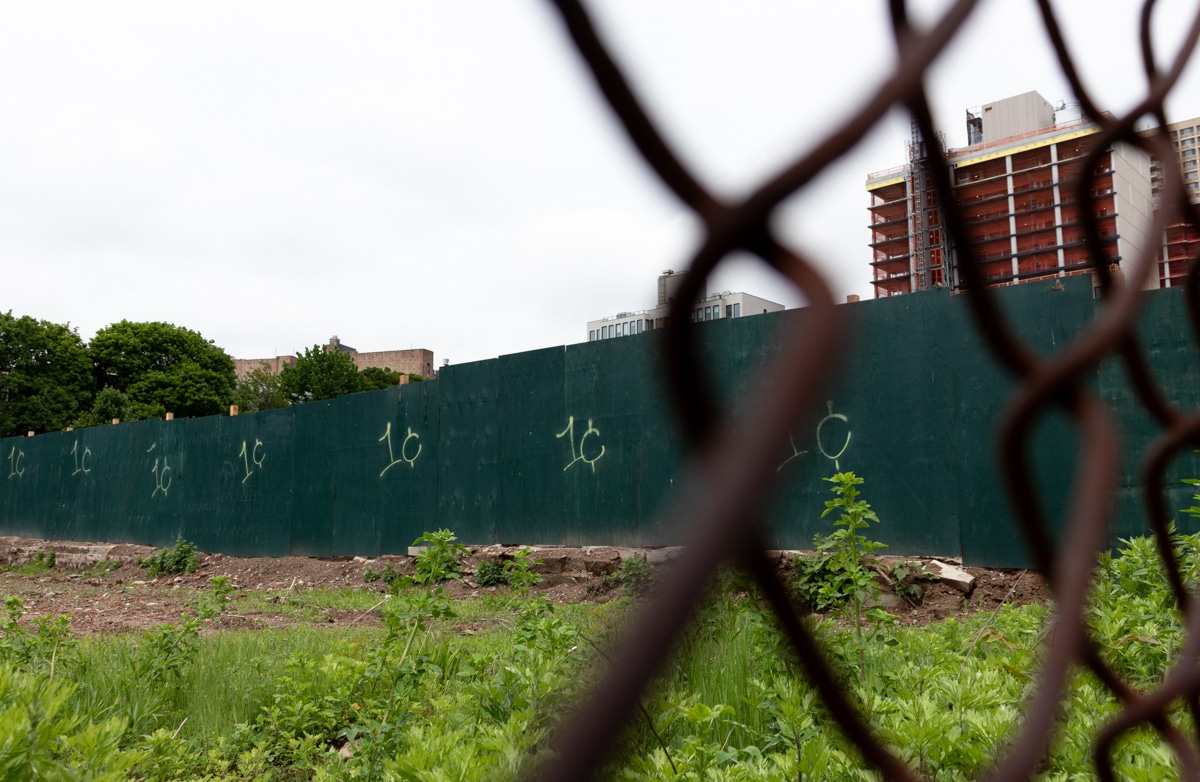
x: 731, y: 474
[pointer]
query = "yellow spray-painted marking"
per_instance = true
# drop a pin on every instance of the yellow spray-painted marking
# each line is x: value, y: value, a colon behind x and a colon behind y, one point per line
x: 250, y: 456
x: 404, y: 457
x: 15, y: 470
x: 580, y: 456
x: 81, y: 459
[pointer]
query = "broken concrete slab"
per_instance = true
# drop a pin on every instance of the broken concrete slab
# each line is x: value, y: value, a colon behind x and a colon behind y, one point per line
x: 954, y: 576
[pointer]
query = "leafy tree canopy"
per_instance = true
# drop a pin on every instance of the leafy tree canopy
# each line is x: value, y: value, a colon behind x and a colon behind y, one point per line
x: 162, y: 367
x: 112, y: 404
x: 320, y: 374
x: 378, y: 378
x: 259, y: 390
x: 45, y: 375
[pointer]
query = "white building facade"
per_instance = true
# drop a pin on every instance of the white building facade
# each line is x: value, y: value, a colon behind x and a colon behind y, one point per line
x: 726, y: 304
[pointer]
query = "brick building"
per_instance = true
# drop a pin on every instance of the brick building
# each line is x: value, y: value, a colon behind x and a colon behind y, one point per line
x: 416, y: 361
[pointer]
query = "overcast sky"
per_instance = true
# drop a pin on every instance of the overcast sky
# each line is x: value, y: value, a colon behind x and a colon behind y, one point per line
x: 442, y: 174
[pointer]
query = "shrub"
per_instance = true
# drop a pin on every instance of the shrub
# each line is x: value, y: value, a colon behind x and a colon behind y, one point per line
x: 438, y: 561
x: 633, y: 577
x: 491, y: 573
x: 907, y: 578
x: 180, y: 558
x: 519, y: 573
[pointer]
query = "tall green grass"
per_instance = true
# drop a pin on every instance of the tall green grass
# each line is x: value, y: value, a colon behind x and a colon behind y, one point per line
x: 477, y: 695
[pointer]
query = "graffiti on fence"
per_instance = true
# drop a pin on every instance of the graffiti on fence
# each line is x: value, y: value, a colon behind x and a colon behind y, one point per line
x: 81, y: 459
x: 580, y: 456
x: 404, y: 448
x: 829, y: 418
x: 15, y: 470
x: 162, y: 477
x: 251, y: 456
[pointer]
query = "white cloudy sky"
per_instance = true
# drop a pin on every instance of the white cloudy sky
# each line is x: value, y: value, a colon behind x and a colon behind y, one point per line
x: 412, y: 173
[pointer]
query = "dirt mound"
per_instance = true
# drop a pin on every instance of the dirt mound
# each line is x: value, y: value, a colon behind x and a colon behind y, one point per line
x: 105, y: 590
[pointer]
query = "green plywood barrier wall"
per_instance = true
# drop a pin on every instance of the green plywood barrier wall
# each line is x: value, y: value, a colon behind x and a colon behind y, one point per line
x: 580, y: 445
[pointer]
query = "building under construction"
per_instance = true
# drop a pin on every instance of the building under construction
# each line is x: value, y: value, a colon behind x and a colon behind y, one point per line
x: 1014, y: 183
x: 1180, y: 240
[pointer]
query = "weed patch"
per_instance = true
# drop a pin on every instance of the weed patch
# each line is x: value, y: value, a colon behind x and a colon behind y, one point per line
x: 634, y: 577
x: 41, y: 562
x: 179, y: 558
x: 438, y: 560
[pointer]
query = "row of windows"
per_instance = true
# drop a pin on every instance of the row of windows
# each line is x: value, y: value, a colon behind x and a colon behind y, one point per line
x: 628, y: 327
x: 622, y: 329
x: 713, y: 312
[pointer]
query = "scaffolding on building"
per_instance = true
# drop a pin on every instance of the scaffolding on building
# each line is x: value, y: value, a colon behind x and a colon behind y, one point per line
x: 925, y: 236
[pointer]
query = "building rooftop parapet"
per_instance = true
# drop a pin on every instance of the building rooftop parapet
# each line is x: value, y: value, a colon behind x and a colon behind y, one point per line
x: 623, y: 315
x: 888, y: 173
x: 952, y: 155
x: 1057, y: 129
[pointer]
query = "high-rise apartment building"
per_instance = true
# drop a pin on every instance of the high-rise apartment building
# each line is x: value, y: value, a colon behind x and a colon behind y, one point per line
x: 1014, y: 185
x: 1180, y: 239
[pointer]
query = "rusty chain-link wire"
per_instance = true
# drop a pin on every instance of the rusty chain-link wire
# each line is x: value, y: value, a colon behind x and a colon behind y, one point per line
x: 731, y: 476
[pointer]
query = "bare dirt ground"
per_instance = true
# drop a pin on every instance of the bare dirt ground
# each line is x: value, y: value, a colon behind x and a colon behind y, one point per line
x: 104, y: 589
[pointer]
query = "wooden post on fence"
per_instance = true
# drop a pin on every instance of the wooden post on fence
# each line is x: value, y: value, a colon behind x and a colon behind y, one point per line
x: 233, y: 409
x: 170, y: 416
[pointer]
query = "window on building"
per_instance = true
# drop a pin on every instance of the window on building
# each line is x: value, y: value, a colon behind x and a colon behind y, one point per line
x: 592, y: 335
x: 612, y: 331
x: 716, y: 311
x: 708, y: 313
x: 641, y: 325
x: 737, y: 310
x: 1190, y: 176
x: 1189, y: 163
x: 729, y: 310
x: 1188, y: 142
x: 1185, y: 132
x: 1187, y: 153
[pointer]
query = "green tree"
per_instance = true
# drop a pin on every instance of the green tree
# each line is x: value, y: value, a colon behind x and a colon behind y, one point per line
x: 163, y: 368
x: 45, y: 375
x: 378, y: 378
x: 260, y: 389
x: 320, y: 374
x: 109, y: 404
